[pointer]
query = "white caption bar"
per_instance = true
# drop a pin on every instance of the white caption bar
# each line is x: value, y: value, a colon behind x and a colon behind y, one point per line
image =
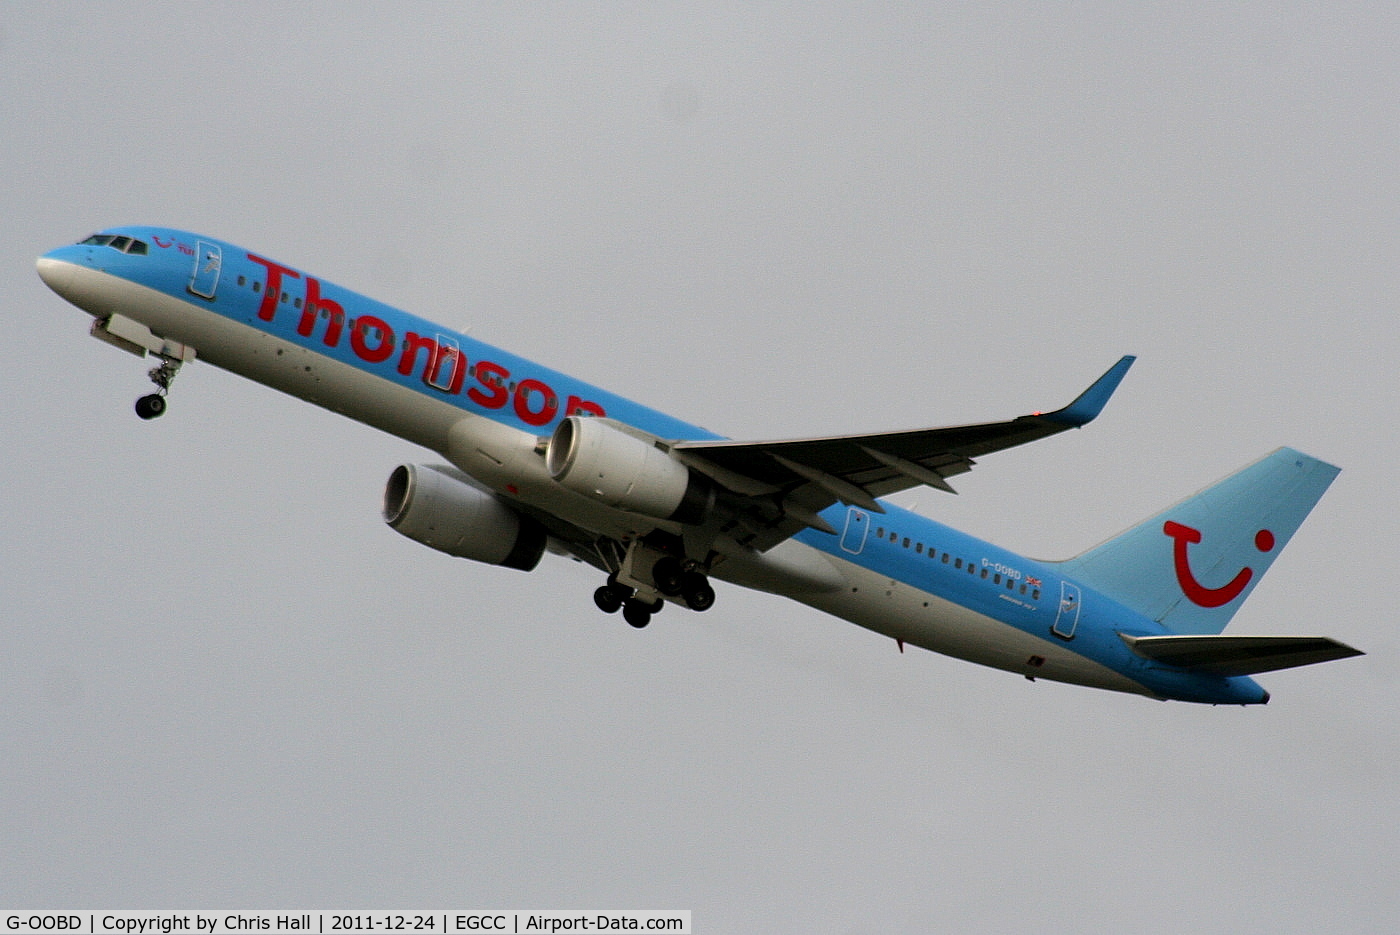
x: 439, y: 922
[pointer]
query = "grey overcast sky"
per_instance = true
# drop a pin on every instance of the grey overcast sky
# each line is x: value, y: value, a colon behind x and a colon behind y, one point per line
x: 225, y: 684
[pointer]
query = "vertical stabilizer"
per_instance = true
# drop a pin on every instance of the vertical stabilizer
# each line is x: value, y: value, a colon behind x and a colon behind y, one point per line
x: 1192, y: 566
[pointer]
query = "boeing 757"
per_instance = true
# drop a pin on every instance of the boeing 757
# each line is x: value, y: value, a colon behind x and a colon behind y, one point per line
x: 538, y: 461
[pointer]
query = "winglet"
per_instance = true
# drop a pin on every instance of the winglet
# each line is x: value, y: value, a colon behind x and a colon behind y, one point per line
x: 1091, y: 402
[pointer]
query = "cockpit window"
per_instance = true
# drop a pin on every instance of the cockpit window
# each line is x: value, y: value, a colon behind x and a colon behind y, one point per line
x: 124, y: 244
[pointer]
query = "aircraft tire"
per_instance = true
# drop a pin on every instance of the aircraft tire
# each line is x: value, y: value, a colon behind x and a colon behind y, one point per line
x: 668, y: 575
x: 636, y: 613
x: 608, y: 600
x: 150, y: 407
x: 697, y: 592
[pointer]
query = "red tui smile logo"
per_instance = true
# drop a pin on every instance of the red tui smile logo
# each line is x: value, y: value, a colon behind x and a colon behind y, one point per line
x: 1182, y: 537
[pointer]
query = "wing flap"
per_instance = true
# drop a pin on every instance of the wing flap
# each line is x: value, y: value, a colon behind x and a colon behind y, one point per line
x: 1239, y: 655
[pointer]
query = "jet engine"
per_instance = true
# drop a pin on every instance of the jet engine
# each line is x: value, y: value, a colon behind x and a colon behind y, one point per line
x: 591, y: 457
x: 434, y: 506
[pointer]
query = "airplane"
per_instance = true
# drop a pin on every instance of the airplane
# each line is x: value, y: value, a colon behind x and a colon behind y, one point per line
x: 539, y: 461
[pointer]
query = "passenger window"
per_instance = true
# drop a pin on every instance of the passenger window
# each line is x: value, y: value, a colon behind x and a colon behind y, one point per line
x: 957, y: 563
x: 257, y: 286
x: 996, y: 579
x: 1035, y: 595
x: 880, y: 533
x: 918, y: 548
x: 906, y: 542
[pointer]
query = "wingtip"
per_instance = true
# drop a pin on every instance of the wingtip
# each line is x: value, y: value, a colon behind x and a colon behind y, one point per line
x: 1090, y: 403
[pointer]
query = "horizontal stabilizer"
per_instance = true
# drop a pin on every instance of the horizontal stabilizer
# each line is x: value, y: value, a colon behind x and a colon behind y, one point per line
x: 1239, y: 655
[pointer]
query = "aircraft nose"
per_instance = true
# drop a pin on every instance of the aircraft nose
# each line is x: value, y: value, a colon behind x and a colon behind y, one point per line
x: 57, y: 274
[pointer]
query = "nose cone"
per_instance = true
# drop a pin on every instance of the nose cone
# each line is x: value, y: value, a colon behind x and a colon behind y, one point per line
x: 56, y: 271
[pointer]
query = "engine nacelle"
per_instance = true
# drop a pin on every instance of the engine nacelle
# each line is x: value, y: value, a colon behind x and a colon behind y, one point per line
x: 431, y: 506
x: 590, y: 457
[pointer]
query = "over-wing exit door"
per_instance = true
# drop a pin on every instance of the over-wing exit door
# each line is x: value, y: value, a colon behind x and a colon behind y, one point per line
x: 857, y: 527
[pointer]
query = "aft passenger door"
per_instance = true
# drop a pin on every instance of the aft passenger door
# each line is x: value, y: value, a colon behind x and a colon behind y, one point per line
x: 208, y: 260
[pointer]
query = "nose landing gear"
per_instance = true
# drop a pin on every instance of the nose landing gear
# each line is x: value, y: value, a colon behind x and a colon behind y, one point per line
x: 135, y: 338
x: 153, y: 405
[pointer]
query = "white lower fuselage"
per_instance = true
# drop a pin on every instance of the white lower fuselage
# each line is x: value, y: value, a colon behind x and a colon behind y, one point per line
x: 511, y: 463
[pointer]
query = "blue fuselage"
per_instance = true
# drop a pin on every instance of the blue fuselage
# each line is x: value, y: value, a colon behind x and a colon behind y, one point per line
x: 907, y: 576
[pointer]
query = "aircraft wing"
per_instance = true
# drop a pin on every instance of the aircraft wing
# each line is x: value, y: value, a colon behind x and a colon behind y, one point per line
x: 805, y: 476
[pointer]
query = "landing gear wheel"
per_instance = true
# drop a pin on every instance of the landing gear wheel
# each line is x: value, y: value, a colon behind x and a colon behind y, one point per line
x: 696, y: 591
x: 608, y: 600
x: 637, y: 613
x: 150, y: 407
x: 668, y: 575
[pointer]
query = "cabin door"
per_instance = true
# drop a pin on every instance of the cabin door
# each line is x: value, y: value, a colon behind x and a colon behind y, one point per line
x: 208, y: 259
x: 857, y: 527
x: 1067, y: 618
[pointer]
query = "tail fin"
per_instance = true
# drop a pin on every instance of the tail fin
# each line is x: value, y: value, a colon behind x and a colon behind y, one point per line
x: 1191, y: 566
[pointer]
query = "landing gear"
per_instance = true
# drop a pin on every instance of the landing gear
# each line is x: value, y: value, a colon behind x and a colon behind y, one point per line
x: 153, y: 406
x: 136, y: 338
x: 673, y: 580
x: 648, y: 574
x: 615, y: 596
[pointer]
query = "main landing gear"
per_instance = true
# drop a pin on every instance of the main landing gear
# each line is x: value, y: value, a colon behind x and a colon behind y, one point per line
x: 636, y: 611
x: 640, y: 595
